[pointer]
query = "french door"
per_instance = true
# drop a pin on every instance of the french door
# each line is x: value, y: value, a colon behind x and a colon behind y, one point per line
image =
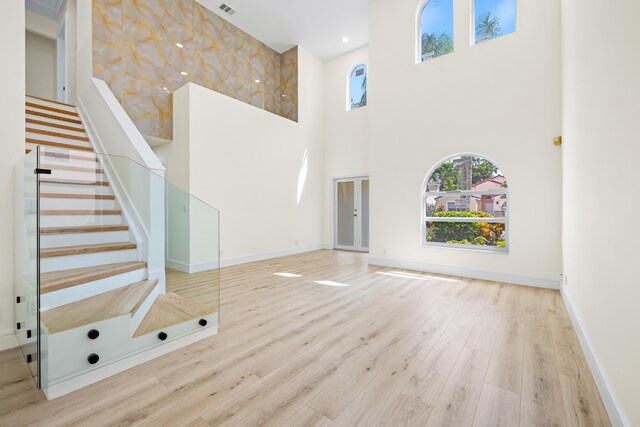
x: 351, y: 214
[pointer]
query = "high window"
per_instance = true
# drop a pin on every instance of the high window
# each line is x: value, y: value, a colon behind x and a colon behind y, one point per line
x: 464, y: 204
x: 494, y: 18
x: 358, y: 87
x: 435, y: 24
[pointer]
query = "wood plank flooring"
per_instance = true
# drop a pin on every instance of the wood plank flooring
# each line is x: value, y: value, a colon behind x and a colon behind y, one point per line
x: 391, y: 348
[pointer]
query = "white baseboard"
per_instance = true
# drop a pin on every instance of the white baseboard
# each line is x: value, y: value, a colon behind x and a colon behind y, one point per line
x: 609, y: 400
x: 470, y: 273
x: 270, y: 255
x: 8, y: 339
x: 83, y: 380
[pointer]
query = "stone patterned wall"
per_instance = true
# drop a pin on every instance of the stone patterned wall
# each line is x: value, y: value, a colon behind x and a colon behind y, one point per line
x: 135, y: 52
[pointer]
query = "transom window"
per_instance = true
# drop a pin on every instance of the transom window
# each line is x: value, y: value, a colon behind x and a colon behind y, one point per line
x: 358, y: 87
x: 464, y: 204
x: 435, y: 29
x: 494, y: 18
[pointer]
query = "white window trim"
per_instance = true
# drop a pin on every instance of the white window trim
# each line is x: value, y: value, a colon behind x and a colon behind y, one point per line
x: 497, y: 220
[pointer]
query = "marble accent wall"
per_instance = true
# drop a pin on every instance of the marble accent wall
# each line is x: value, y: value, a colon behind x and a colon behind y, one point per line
x: 135, y: 51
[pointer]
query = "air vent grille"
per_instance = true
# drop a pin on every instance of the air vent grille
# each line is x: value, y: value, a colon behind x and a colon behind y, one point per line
x: 227, y: 9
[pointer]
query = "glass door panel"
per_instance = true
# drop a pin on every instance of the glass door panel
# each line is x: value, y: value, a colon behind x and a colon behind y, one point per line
x: 345, y: 227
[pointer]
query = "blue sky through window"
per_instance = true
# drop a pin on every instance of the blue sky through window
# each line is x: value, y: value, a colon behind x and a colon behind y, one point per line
x: 437, y: 17
x: 358, y: 88
x: 504, y: 10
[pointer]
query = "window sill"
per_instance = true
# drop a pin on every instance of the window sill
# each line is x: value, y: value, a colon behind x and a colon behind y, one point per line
x: 488, y: 249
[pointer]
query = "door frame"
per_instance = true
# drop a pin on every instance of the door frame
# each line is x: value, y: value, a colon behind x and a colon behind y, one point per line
x: 357, y: 201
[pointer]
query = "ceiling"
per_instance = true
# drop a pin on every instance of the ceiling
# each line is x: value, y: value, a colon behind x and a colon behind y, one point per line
x: 316, y: 25
x: 48, y: 8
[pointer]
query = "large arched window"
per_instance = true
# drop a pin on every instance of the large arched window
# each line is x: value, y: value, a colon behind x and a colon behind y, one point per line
x: 358, y: 87
x: 464, y: 204
x: 435, y: 29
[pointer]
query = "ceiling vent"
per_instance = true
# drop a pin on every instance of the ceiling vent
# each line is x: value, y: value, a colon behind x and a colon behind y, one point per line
x: 227, y: 9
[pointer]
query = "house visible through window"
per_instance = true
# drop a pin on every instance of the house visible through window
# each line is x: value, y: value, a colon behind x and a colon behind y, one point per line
x: 436, y: 29
x: 464, y: 204
x: 358, y: 87
x: 494, y: 18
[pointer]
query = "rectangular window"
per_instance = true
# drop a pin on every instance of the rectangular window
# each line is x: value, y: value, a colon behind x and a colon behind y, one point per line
x: 494, y: 18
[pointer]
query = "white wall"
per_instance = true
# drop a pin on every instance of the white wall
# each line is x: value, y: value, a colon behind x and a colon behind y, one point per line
x: 500, y: 99
x: 246, y: 162
x: 41, y: 66
x: 41, y: 25
x: 12, y: 113
x: 346, y: 133
x: 601, y: 103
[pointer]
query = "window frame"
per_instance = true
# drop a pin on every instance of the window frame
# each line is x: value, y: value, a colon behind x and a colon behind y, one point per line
x: 350, y: 72
x: 426, y: 194
x: 473, y: 24
x: 418, y: 49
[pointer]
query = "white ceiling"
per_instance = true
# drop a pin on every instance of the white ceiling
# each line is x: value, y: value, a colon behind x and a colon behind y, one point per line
x: 48, y: 8
x: 316, y: 25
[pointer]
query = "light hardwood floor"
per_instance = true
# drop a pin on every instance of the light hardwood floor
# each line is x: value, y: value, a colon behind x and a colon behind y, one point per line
x: 390, y: 348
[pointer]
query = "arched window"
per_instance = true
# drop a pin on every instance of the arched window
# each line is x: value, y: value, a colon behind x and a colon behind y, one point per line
x: 358, y: 87
x: 493, y: 18
x: 464, y: 204
x: 435, y: 29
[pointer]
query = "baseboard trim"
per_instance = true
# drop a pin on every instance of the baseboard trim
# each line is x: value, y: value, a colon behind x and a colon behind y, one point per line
x: 83, y: 380
x: 270, y: 255
x: 536, y: 282
x: 8, y: 339
x: 610, y: 402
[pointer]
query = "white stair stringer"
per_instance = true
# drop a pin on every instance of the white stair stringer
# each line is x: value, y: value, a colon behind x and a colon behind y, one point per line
x: 51, y: 300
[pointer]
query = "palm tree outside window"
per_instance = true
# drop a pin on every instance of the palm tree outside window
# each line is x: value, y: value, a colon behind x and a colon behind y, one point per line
x: 435, y: 23
x: 494, y: 18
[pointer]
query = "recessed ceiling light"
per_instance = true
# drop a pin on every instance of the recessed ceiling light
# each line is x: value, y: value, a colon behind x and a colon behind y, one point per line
x: 257, y: 81
x: 184, y: 73
x: 164, y: 88
x: 284, y: 96
x: 345, y: 39
x: 180, y: 45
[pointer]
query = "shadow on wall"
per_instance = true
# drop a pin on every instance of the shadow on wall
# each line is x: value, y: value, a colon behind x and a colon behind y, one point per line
x: 146, y: 49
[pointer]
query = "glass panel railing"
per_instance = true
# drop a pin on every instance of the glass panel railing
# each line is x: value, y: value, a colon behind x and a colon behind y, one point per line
x: 26, y: 259
x: 129, y: 262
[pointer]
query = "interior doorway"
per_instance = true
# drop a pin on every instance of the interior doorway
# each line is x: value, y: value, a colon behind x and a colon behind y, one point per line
x: 351, y: 218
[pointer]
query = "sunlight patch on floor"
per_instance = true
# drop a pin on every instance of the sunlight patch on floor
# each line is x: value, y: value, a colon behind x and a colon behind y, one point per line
x: 290, y: 275
x: 330, y: 283
x: 405, y: 275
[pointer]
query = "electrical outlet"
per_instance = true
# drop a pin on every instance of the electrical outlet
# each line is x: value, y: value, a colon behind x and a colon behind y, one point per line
x: 564, y: 279
x: 384, y: 251
x: 296, y: 243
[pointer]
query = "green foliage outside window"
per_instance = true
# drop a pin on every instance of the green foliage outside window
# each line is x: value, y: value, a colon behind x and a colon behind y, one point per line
x: 466, y: 233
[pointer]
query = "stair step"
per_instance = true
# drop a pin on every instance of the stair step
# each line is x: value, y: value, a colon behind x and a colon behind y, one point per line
x: 57, y: 280
x: 119, y: 302
x: 171, y: 309
x: 54, y: 166
x: 74, y: 181
x: 77, y: 196
x: 58, y: 144
x: 52, y: 116
x: 57, y: 212
x: 85, y: 229
x: 86, y: 249
x: 55, y: 125
x: 52, y: 109
x: 50, y: 100
x: 67, y: 155
x: 57, y: 134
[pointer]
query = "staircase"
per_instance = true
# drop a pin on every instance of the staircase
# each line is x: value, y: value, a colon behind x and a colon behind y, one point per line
x: 97, y: 303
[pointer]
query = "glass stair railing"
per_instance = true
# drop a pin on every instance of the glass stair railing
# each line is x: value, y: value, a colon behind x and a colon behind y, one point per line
x: 112, y: 260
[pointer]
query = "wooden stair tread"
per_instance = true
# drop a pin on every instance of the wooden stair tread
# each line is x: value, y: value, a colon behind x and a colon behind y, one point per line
x: 50, y: 100
x: 73, y: 181
x: 84, y: 229
x: 71, y: 168
x: 55, y: 110
x: 57, y: 134
x: 57, y: 280
x: 58, y: 144
x: 75, y: 212
x: 86, y: 249
x: 119, y: 302
x: 77, y: 196
x: 52, y: 116
x: 171, y: 309
x: 54, y: 125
